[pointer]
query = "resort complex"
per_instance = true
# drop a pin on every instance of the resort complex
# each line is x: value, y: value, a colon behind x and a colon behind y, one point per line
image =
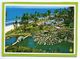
x: 42, y: 32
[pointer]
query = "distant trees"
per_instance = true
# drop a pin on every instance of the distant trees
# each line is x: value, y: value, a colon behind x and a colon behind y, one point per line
x: 67, y: 14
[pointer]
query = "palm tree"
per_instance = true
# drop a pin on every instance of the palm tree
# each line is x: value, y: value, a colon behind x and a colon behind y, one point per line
x: 68, y: 16
x: 48, y: 12
x: 71, y: 12
x: 24, y: 21
x: 44, y: 14
x: 35, y: 16
x: 6, y: 15
x: 15, y: 25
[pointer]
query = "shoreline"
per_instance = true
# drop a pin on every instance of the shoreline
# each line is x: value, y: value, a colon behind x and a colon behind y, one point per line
x: 8, y: 28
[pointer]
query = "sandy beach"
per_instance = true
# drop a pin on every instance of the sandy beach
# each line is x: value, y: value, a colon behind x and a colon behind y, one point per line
x: 8, y: 28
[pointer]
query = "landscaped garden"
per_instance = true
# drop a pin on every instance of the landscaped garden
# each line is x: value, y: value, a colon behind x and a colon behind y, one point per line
x: 48, y: 32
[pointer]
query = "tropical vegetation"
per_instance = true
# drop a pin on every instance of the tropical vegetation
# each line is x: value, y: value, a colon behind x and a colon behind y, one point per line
x: 51, y: 32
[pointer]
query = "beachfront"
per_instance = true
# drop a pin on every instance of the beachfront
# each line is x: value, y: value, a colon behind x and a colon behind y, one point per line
x: 50, y: 32
x: 8, y: 28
